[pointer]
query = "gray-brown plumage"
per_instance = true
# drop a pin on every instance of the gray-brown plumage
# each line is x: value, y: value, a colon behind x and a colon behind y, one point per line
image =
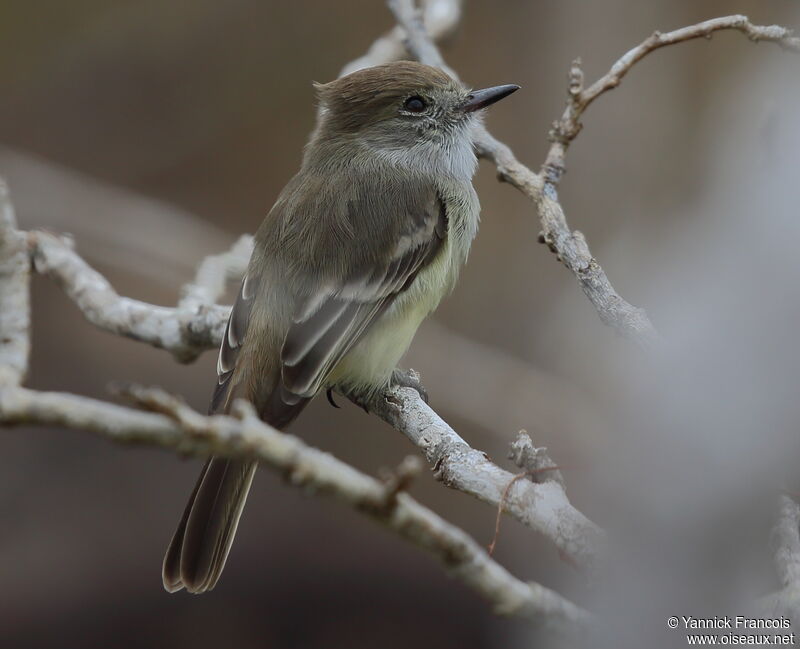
x: 359, y: 247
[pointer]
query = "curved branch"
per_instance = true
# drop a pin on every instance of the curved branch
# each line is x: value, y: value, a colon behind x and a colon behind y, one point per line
x: 175, y: 426
x: 14, y: 295
x: 570, y: 247
x: 185, y: 331
x: 543, y: 507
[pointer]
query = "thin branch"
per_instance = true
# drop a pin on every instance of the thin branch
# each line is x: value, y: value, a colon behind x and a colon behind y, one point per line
x: 185, y: 331
x: 214, y: 273
x: 14, y: 295
x: 534, y: 460
x: 786, y: 547
x: 568, y: 126
x: 440, y: 17
x: 570, y: 247
x: 175, y: 426
x: 544, y: 507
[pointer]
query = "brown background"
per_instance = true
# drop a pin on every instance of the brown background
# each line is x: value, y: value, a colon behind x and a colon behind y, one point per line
x: 205, y: 107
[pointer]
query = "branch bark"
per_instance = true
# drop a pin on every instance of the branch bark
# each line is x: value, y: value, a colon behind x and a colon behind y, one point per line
x: 14, y: 295
x: 173, y: 425
x: 186, y: 331
x: 544, y: 507
x: 786, y: 548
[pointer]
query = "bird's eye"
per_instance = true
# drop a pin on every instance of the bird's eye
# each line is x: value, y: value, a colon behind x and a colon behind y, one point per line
x: 415, y: 104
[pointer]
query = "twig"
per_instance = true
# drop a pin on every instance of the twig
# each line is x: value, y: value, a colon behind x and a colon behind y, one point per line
x: 534, y: 460
x: 175, y: 426
x: 500, y: 506
x: 570, y: 247
x: 440, y: 17
x: 544, y: 507
x: 568, y: 126
x: 185, y: 331
x: 213, y: 274
x: 537, y: 466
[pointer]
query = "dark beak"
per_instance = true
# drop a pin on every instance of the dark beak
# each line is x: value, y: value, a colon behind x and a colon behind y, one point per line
x: 478, y: 99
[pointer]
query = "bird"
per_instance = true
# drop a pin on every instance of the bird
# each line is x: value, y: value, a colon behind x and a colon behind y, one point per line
x: 360, y: 246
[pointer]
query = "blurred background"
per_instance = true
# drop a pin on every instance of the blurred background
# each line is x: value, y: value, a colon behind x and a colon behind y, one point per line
x: 157, y: 132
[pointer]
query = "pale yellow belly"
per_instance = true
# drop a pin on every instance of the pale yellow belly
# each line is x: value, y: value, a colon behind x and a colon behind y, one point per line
x: 369, y: 365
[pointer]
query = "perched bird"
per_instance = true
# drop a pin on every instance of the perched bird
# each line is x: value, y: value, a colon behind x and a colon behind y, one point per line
x: 359, y: 248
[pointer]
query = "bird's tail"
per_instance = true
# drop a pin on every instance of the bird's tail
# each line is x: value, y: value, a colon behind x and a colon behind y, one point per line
x: 199, y: 548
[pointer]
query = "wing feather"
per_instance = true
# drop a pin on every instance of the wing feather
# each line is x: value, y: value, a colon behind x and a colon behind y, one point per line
x: 330, y: 321
x: 235, y: 331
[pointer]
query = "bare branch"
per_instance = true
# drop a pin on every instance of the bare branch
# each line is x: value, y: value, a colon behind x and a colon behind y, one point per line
x: 568, y: 126
x: 176, y: 426
x: 440, y: 17
x: 14, y: 295
x: 534, y: 460
x: 542, y: 507
x: 213, y: 274
x: 771, y: 33
x: 570, y: 247
x: 185, y: 331
x: 786, y: 546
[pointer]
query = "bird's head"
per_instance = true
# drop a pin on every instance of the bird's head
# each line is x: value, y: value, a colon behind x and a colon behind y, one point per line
x: 402, y: 105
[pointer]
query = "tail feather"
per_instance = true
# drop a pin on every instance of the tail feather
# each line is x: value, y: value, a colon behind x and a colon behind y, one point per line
x: 201, y: 543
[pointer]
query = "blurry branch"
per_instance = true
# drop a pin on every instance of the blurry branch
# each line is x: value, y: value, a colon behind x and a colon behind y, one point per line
x: 786, y: 546
x: 114, y: 225
x: 440, y: 17
x: 542, y: 507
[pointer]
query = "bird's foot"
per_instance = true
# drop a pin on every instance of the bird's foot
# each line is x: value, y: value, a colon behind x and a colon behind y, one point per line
x: 358, y: 397
x: 409, y: 379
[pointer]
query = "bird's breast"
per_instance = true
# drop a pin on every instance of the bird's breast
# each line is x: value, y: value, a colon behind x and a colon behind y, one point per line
x: 370, y: 363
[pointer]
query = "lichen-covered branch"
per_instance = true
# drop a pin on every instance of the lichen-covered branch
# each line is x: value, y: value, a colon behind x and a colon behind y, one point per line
x: 542, y: 507
x: 174, y: 425
x: 440, y: 18
x: 14, y: 295
x: 185, y: 331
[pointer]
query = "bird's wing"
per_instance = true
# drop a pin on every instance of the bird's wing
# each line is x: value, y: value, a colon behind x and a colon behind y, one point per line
x: 336, y: 314
x: 232, y: 342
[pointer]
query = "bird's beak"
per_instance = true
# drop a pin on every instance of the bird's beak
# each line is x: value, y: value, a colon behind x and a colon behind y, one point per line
x: 478, y: 99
